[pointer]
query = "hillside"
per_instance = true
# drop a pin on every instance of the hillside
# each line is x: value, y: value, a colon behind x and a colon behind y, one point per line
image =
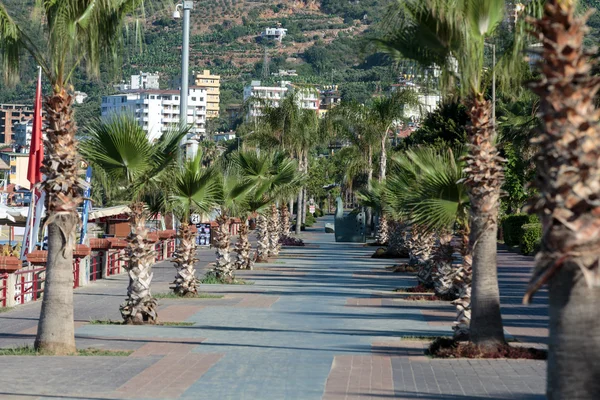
x: 324, y: 44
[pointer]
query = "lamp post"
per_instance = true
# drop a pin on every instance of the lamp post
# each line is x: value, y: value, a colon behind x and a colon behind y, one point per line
x: 187, y: 6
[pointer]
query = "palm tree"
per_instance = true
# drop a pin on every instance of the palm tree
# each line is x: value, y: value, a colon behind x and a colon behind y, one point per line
x: 271, y: 177
x: 191, y: 189
x: 385, y: 113
x: 453, y: 35
x: 234, y: 203
x: 121, y: 149
x: 567, y: 179
x: 77, y: 32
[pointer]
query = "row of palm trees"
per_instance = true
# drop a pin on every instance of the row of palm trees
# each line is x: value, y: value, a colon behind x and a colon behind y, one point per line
x: 452, y: 35
x: 154, y: 177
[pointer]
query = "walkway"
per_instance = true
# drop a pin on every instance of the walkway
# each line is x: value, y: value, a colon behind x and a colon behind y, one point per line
x: 321, y: 322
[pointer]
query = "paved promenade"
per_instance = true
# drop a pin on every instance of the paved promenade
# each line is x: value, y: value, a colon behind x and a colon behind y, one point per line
x: 321, y: 322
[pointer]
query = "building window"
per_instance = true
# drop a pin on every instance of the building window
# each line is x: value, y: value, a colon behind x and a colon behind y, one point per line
x: 152, y: 97
x: 176, y: 97
x: 13, y: 169
x: 193, y: 99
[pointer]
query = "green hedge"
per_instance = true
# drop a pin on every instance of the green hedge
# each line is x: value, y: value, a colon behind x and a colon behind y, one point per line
x: 310, y: 220
x: 532, y: 236
x: 512, y: 227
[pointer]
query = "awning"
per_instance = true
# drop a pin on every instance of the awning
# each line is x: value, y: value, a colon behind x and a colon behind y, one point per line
x: 108, y: 212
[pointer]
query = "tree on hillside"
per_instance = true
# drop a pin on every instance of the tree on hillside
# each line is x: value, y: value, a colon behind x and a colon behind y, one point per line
x: 77, y: 33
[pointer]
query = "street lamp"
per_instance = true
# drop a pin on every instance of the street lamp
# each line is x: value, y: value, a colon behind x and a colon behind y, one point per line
x: 185, y: 60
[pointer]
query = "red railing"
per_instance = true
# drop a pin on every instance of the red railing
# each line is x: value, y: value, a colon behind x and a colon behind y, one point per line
x: 76, y: 263
x: 158, y: 249
x: 3, y: 279
x: 96, y: 266
x: 114, y: 263
x: 29, y: 285
x: 170, y: 248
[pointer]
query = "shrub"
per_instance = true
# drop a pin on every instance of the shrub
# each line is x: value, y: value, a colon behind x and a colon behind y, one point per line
x: 290, y: 241
x: 532, y: 236
x: 512, y: 227
x: 310, y: 220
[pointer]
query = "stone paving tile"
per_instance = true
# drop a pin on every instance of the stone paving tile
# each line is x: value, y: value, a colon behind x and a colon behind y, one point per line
x: 359, y: 377
x: 178, y: 313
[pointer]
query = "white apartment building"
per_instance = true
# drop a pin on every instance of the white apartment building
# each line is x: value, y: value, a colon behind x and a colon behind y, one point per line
x: 308, y: 98
x: 157, y: 111
x: 145, y: 80
x: 274, y: 34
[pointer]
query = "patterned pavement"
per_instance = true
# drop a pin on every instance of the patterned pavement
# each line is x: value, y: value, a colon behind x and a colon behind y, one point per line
x: 321, y: 322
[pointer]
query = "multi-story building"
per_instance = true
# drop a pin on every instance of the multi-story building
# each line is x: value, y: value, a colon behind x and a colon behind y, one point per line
x: 330, y: 97
x: 263, y: 95
x: 145, y: 80
x: 10, y: 115
x: 307, y: 97
x: 18, y: 163
x: 157, y: 111
x: 274, y: 34
x: 212, y: 83
x: 22, y: 133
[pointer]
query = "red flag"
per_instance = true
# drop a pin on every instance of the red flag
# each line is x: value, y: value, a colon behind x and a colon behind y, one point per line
x: 36, y: 148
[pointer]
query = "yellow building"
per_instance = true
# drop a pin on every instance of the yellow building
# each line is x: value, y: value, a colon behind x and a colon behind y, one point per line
x: 212, y: 83
x: 18, y: 163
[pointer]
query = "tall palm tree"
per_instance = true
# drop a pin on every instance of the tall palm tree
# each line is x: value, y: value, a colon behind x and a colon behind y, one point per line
x: 77, y: 33
x: 191, y: 189
x: 567, y: 179
x: 452, y: 35
x: 120, y: 147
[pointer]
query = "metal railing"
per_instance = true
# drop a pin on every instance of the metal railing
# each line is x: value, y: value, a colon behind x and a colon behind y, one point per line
x: 30, y: 284
x: 158, y: 248
x: 96, y: 266
x: 114, y: 263
x: 3, y: 289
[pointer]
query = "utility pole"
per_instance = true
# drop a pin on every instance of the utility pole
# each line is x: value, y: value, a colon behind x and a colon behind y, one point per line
x: 185, y: 60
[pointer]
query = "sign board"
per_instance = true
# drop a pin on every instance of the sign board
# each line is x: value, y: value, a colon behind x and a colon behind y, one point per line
x: 311, y: 209
x: 195, y: 219
x: 203, y: 236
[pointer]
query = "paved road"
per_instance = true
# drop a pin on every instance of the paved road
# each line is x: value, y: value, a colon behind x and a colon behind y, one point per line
x: 321, y: 322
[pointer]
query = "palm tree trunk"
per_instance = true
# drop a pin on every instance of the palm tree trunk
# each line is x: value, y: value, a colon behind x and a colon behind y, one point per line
x: 442, y: 265
x: 274, y: 231
x: 383, y: 158
x: 304, y: 204
x: 186, y: 283
x: 421, y: 248
x: 285, y: 221
x: 462, y: 281
x: 484, y: 178
x: 369, y: 213
x: 56, y: 331
x: 262, y: 243
x: 299, y: 213
x: 397, y: 245
x: 567, y: 179
x: 242, y: 248
x: 382, y: 230
x: 223, y: 268
x: 140, y: 306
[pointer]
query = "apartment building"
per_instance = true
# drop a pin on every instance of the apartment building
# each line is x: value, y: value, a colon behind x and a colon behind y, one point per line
x: 307, y: 97
x: 157, y: 111
x: 10, y: 115
x: 18, y: 163
x: 212, y: 83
